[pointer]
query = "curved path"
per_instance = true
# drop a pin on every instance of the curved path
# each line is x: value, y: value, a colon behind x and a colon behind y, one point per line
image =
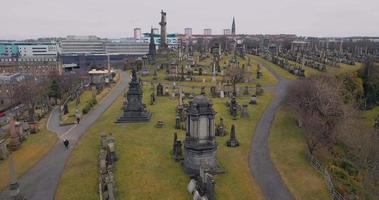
x: 41, y: 181
x: 260, y: 162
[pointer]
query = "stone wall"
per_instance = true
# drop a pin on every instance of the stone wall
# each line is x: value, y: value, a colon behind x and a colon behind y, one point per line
x: 107, y: 157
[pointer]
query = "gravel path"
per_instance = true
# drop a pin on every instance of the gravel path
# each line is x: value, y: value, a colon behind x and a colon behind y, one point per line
x: 260, y: 162
x: 40, y: 182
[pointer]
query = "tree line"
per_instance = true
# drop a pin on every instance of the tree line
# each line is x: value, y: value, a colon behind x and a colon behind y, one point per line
x: 329, y: 111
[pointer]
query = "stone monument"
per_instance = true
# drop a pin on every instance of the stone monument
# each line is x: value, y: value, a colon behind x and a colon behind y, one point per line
x: 135, y: 110
x: 14, y: 143
x: 152, y: 48
x: 200, y: 144
x: 163, y: 47
x: 232, y: 141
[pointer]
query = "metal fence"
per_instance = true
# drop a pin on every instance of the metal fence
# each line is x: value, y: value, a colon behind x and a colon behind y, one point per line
x: 334, y: 194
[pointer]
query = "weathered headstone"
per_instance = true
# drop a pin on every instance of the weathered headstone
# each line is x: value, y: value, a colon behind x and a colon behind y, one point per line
x: 233, y: 106
x: 65, y: 109
x: 246, y: 90
x: 222, y: 95
x: 213, y: 91
x: 220, y: 129
x: 160, y: 90
x: 152, y: 98
x: 244, y: 111
x: 253, y: 99
x: 177, y: 122
x: 232, y: 141
x: 259, y: 90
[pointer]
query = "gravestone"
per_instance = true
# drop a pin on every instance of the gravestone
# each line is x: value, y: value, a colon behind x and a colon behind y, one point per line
x: 253, y: 100
x: 220, y: 130
x: 233, y: 107
x: 232, y: 141
x: 222, y: 95
x: 166, y: 91
x: 65, y: 109
x: 213, y: 91
x: 152, y: 98
x: 135, y: 110
x: 244, y: 111
x: 159, y: 124
x: 246, y: 90
x: 177, y: 148
x: 160, y: 90
x: 177, y: 122
x: 259, y: 90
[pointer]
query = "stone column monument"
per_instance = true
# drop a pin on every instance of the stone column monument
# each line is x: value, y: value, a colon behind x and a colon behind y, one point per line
x: 163, y: 47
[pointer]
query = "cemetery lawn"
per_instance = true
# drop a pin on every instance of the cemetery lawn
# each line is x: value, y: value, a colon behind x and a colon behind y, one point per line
x: 287, y: 149
x: 344, y: 68
x: 282, y: 72
x: 145, y: 169
x: 30, y: 152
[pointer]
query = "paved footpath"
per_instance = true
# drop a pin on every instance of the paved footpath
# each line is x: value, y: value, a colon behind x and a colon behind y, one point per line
x: 40, y: 182
x: 260, y: 162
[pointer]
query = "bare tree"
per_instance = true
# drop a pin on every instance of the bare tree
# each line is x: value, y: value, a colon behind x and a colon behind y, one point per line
x: 320, y: 106
x: 235, y: 74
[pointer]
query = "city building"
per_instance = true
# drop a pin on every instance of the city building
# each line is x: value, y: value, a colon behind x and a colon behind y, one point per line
x: 207, y: 31
x: 88, y: 52
x: 137, y: 33
x: 82, y: 45
x: 227, y: 32
x: 155, y: 30
x: 126, y: 47
x: 28, y: 49
x: 188, y: 32
x: 172, y: 39
x: 34, y: 66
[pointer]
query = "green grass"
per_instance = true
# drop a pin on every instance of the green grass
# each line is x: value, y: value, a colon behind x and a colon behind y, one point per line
x: 280, y: 71
x: 145, y: 169
x: 344, y: 68
x: 30, y: 152
x: 369, y: 116
x: 287, y: 149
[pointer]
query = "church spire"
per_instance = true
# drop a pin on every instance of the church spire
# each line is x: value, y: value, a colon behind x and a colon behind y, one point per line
x: 234, y: 27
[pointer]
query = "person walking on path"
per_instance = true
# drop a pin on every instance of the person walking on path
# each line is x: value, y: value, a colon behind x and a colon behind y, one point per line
x: 77, y: 115
x: 66, y: 143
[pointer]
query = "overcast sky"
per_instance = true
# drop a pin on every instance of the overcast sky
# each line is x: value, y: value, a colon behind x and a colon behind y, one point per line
x: 117, y: 18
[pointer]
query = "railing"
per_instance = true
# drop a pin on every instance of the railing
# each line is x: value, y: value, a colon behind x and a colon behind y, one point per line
x: 334, y: 194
